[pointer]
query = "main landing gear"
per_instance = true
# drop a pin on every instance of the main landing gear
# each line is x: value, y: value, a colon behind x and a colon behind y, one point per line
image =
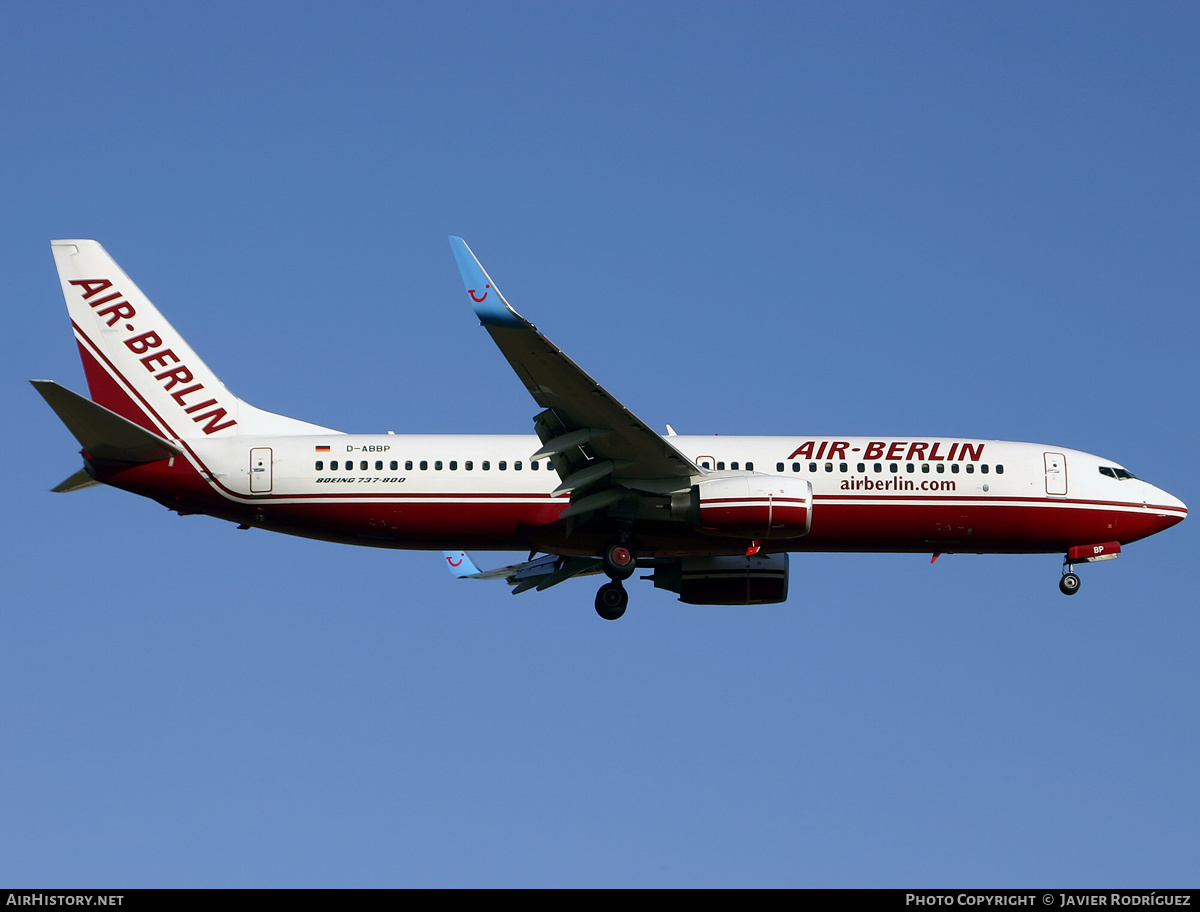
x: 611, y: 601
x: 619, y: 561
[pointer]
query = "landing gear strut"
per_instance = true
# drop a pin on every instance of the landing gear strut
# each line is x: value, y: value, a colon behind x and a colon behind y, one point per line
x: 611, y: 601
x: 1069, y: 584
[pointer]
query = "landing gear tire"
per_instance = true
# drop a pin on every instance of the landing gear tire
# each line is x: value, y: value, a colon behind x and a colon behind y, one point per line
x: 619, y: 561
x: 1069, y: 584
x: 611, y: 601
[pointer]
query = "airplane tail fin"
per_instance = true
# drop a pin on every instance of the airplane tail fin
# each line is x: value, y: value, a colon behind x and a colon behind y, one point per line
x: 139, y: 367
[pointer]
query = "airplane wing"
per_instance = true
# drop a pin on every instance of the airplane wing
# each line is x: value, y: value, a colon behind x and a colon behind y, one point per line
x: 601, y: 450
x: 542, y: 573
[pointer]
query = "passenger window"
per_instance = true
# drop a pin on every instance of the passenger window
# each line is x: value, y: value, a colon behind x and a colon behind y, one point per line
x: 487, y: 466
x: 842, y: 467
x: 502, y: 465
x: 749, y: 467
x: 779, y: 467
x: 829, y: 467
x: 925, y: 468
x: 970, y: 468
x: 999, y: 470
x: 862, y: 466
x: 393, y: 465
x: 378, y: 465
x: 984, y: 468
x: 437, y: 465
x: 453, y: 465
x: 893, y: 467
x: 424, y: 465
x: 349, y: 466
x: 909, y: 468
x: 812, y: 466
x: 941, y: 467
x: 363, y: 465
x: 733, y: 465
x: 517, y: 466
x: 533, y: 466
x: 320, y: 465
x: 704, y: 464
x: 720, y: 467
x: 878, y: 467
x: 408, y: 465
x: 468, y: 465
x: 795, y: 467
x: 954, y: 468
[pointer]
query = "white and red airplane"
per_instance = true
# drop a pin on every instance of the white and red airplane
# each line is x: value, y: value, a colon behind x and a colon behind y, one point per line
x: 596, y: 491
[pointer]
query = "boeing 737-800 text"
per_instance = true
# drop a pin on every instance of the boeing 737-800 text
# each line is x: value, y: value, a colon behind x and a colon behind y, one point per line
x: 596, y: 491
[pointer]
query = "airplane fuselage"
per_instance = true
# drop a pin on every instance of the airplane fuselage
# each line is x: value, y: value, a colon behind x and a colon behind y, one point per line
x: 483, y: 492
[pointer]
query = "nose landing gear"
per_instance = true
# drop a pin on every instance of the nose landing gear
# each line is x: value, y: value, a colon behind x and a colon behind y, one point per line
x: 1069, y: 584
x: 1087, y: 554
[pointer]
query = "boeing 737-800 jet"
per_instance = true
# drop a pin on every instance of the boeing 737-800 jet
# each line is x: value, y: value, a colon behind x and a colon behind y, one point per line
x: 596, y: 491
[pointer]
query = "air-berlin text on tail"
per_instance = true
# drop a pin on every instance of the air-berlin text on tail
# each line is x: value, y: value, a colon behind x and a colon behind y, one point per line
x: 113, y: 308
x: 899, y: 450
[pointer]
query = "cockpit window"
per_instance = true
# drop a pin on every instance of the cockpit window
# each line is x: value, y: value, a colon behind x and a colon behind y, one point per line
x: 1114, y: 472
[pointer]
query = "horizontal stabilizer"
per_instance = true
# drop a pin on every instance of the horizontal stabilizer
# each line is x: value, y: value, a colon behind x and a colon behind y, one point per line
x: 81, y: 479
x: 102, y: 433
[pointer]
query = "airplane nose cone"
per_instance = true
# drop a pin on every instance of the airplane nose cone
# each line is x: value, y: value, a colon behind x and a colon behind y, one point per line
x: 1168, y: 508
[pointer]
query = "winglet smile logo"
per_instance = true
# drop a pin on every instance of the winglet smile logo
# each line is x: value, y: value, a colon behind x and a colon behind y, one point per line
x: 471, y: 292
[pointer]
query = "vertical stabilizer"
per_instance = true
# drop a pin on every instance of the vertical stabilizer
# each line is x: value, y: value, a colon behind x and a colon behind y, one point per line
x: 138, y: 366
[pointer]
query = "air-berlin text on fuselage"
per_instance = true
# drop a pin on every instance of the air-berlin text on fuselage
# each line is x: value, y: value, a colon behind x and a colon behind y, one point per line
x: 895, y: 450
x: 113, y: 308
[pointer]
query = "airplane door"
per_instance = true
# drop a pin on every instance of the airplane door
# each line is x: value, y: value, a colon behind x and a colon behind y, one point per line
x: 1056, y: 473
x: 260, y: 470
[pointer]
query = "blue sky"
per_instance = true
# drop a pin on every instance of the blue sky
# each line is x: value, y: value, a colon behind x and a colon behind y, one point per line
x: 938, y: 219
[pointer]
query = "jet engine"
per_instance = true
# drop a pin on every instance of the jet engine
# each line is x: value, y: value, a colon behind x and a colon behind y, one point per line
x: 754, y: 506
x: 758, y: 580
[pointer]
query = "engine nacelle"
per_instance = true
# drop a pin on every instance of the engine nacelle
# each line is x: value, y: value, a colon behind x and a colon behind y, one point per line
x: 758, y: 580
x: 754, y: 505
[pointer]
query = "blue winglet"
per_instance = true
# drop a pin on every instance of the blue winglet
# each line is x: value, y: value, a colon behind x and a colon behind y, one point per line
x: 489, y: 304
x: 460, y: 563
